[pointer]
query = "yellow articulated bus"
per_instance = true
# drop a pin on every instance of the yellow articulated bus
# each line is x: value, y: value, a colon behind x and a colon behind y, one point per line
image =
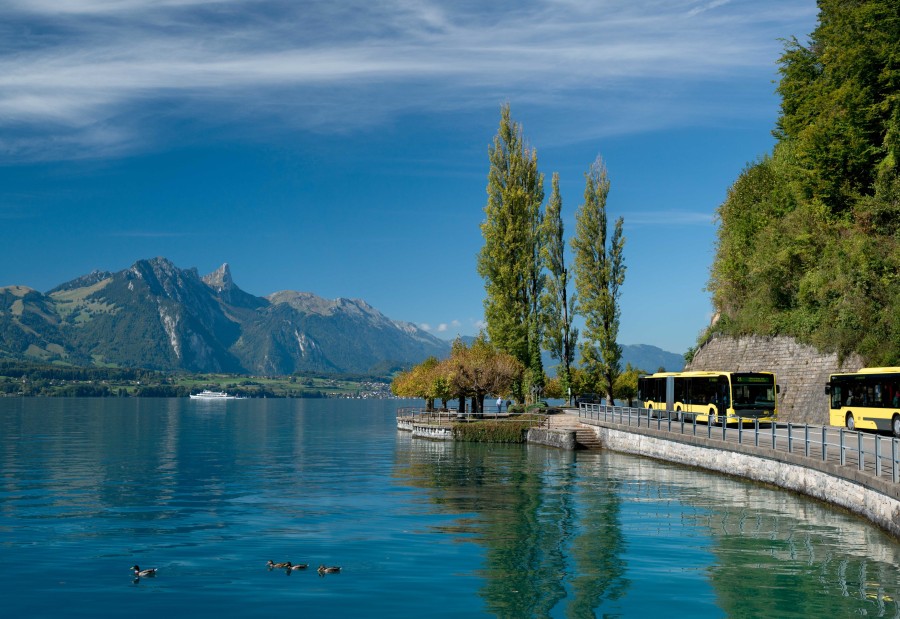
x: 712, y: 396
x: 866, y: 400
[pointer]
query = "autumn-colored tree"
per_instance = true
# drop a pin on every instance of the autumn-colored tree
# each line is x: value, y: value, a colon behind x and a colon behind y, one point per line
x: 480, y: 369
x: 426, y: 381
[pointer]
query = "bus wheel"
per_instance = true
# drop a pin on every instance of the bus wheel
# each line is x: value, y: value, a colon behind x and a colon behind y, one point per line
x: 677, y: 415
x: 851, y: 423
x: 895, y: 425
x: 713, y: 418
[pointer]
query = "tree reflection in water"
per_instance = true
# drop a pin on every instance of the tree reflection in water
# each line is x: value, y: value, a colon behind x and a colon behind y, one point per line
x: 546, y: 539
x: 603, y: 534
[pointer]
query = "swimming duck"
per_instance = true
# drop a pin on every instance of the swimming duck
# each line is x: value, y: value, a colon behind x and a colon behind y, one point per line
x: 332, y: 569
x: 272, y: 564
x: 148, y: 573
x: 299, y: 566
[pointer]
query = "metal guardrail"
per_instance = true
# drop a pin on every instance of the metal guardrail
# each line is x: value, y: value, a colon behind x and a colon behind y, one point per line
x: 870, y: 453
x: 445, y: 417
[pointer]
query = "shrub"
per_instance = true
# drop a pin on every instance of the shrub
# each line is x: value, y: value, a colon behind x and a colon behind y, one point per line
x: 492, y: 431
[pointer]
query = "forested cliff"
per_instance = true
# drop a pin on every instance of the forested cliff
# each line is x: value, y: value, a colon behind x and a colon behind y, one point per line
x: 809, y: 235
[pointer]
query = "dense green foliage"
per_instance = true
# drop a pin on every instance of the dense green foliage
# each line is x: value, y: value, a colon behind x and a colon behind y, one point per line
x: 808, y: 236
x: 599, y: 275
x: 527, y: 306
x: 510, y: 260
x: 558, y: 306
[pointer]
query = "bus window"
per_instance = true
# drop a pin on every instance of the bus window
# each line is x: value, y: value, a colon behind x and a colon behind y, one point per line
x: 722, y: 396
x: 703, y: 390
x: 835, y: 396
x: 680, y: 384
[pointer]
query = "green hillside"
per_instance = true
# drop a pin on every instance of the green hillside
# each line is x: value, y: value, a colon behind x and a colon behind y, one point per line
x: 808, y: 236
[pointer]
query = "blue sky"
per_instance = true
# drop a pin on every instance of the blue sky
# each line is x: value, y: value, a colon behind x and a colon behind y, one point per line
x: 340, y: 147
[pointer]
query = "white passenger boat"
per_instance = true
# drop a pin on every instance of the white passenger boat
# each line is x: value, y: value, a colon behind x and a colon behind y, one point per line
x: 206, y: 394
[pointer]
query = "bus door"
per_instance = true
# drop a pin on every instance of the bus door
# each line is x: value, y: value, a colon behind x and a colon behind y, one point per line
x: 670, y: 393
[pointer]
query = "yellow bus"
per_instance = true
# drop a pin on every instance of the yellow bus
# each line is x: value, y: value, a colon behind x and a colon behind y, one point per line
x: 866, y: 400
x: 712, y: 396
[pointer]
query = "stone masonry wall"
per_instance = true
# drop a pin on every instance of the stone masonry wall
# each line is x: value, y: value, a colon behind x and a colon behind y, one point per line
x: 800, y: 370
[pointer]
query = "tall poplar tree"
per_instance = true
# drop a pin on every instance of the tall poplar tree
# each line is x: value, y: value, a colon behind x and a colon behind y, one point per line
x: 509, y: 261
x: 560, y: 336
x: 599, y: 275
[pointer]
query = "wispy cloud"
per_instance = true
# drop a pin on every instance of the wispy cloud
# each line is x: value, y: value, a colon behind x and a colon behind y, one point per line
x: 100, y: 77
x: 444, y: 326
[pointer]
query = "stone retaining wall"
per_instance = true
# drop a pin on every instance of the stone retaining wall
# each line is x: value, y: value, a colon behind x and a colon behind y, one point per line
x: 563, y: 439
x: 877, y: 500
x: 800, y: 370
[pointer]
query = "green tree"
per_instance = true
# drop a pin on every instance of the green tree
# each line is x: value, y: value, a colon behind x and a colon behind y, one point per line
x: 560, y: 336
x: 839, y: 100
x: 599, y: 275
x: 626, y: 387
x: 509, y: 260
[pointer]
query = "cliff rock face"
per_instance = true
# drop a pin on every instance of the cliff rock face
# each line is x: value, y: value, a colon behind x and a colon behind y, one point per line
x: 800, y: 370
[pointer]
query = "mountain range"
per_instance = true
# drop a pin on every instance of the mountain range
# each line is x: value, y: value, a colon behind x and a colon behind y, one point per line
x: 155, y: 315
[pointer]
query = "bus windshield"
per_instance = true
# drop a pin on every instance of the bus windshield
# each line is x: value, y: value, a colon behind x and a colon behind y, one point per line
x: 753, y: 391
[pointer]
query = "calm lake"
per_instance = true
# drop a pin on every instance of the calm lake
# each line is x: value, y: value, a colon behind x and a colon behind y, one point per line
x: 208, y: 492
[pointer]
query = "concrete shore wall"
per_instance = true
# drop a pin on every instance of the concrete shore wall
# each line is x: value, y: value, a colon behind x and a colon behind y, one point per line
x: 874, y: 499
x: 562, y: 439
x: 801, y: 371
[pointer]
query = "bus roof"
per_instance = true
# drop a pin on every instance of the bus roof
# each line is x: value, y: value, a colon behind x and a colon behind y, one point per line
x: 864, y: 371
x: 701, y: 374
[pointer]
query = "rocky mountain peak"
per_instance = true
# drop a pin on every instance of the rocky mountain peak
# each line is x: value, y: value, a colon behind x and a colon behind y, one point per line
x: 220, y: 279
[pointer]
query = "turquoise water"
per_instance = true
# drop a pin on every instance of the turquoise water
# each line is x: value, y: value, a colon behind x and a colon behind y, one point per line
x: 208, y: 492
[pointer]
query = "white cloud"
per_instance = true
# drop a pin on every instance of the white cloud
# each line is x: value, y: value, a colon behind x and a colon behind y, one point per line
x: 112, y: 70
x: 425, y: 326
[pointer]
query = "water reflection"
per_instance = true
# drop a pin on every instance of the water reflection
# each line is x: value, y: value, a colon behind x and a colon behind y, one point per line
x: 550, y: 542
x: 593, y: 534
x: 460, y: 529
